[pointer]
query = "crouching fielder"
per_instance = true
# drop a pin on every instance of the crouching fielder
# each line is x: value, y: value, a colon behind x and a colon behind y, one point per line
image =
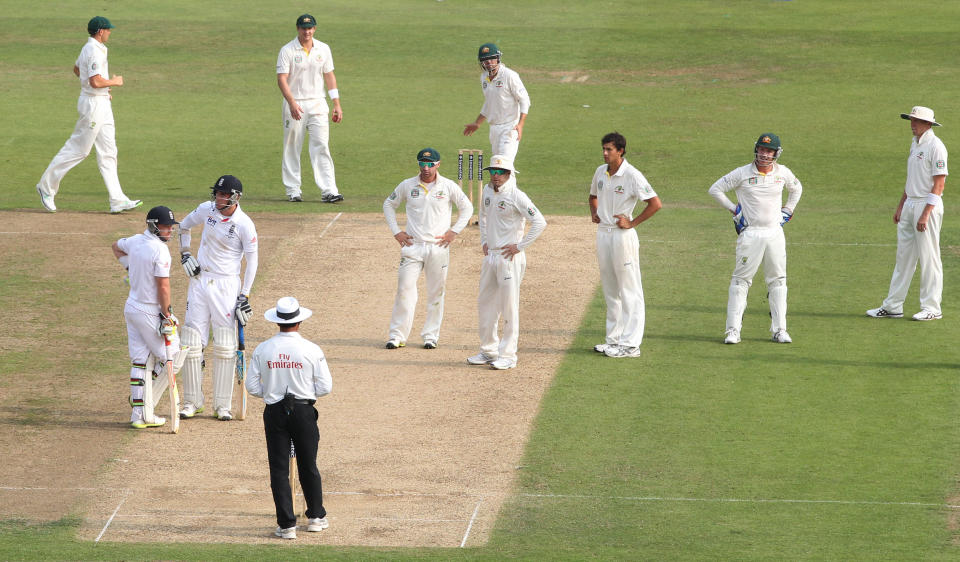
x: 215, y: 293
x: 148, y: 313
x: 758, y: 217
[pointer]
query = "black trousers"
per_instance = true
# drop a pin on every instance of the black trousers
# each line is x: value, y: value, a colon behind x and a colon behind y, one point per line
x: 300, y: 425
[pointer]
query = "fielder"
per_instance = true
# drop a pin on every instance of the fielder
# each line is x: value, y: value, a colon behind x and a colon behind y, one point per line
x: 505, y: 104
x: 759, y: 217
x: 215, y: 293
x: 95, y: 126
x: 304, y: 69
x: 424, y: 245
x: 614, y: 192
x: 503, y: 214
x: 919, y: 217
x: 148, y: 314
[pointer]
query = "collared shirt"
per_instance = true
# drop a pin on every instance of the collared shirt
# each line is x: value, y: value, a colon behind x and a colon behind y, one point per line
x: 225, y: 242
x: 928, y: 158
x: 149, y: 258
x: 503, y: 216
x: 429, y: 208
x: 760, y: 195
x: 618, y: 194
x: 91, y: 62
x: 504, y: 97
x: 304, y: 69
x: 288, y: 363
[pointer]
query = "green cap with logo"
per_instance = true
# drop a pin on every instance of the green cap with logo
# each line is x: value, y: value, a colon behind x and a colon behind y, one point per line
x: 98, y: 23
x: 488, y: 51
x: 428, y: 155
x: 306, y: 21
x: 769, y: 140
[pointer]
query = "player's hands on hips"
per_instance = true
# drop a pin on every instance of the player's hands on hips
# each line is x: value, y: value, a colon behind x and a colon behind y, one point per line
x: 403, y: 238
x: 486, y: 250
x: 470, y: 128
x: 244, y: 310
x: 623, y: 221
x: 190, y: 264
x: 509, y: 251
x: 519, y: 130
x: 595, y: 218
x: 739, y: 221
x: 785, y: 216
x: 447, y: 238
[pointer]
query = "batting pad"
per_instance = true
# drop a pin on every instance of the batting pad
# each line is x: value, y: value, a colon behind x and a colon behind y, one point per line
x: 778, y: 305
x: 192, y: 373
x: 158, y: 370
x: 224, y: 366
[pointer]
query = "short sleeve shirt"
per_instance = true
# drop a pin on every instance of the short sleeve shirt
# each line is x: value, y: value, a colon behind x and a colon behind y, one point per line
x: 618, y: 194
x: 429, y: 208
x: 91, y: 62
x: 304, y: 69
x: 504, y: 97
x: 149, y: 258
x: 928, y: 158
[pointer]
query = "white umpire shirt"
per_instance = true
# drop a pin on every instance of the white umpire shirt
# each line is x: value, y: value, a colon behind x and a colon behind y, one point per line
x: 305, y: 70
x: 429, y: 208
x: 760, y: 195
x: 504, y: 97
x: 225, y: 241
x: 288, y: 363
x: 928, y: 158
x: 618, y: 194
x: 149, y: 258
x: 503, y: 216
x: 91, y: 62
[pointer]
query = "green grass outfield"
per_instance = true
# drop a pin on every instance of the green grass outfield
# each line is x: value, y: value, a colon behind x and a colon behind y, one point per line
x: 843, y: 445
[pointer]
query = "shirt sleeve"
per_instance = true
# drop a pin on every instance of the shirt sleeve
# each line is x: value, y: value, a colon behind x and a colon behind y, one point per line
x: 794, y: 189
x: 322, y: 381
x: 537, y: 222
x: 252, y: 378
x: 938, y: 160
x: 283, y: 62
x: 328, y: 62
x: 464, y: 208
x: 593, y: 183
x: 161, y: 262
x: 719, y: 189
x: 520, y: 93
x: 485, y: 109
x: 482, y: 216
x: 251, y: 254
x: 190, y: 221
x: 390, y: 206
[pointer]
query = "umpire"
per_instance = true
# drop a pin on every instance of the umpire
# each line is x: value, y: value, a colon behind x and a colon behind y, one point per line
x: 289, y: 373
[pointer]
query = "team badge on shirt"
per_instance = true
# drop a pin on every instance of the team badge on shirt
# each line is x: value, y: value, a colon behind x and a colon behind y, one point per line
x: 618, y: 190
x: 600, y: 184
x: 298, y: 59
x: 502, y: 205
x: 752, y: 181
x: 414, y: 193
x: 531, y: 211
x: 484, y: 85
x: 93, y: 66
x: 440, y: 195
x: 499, y: 83
x: 941, y: 164
x: 486, y: 202
x: 393, y: 195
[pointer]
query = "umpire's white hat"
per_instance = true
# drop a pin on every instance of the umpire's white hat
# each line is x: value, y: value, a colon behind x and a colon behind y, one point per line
x: 287, y: 311
x: 921, y: 113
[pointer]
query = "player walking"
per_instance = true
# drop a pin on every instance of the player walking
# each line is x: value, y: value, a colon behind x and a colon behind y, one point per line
x: 215, y: 292
x: 919, y: 217
x: 148, y: 313
x: 304, y: 69
x: 504, y: 210
x: 505, y: 103
x: 614, y: 192
x: 95, y: 126
x: 759, y: 216
x: 424, y: 245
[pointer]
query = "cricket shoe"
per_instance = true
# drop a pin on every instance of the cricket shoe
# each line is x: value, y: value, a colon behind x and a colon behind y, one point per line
x: 395, y: 344
x: 620, y: 351
x: 883, y: 313
x: 781, y: 337
x: 223, y: 414
x: 480, y: 359
x: 925, y: 315
x: 733, y: 336
x: 294, y: 198
x: 602, y: 347
x: 290, y: 533
x: 189, y: 410
x: 317, y: 524
x: 126, y: 206
x: 430, y: 344
x: 503, y: 364
x: 141, y: 423
x: 332, y: 198
x: 47, y: 201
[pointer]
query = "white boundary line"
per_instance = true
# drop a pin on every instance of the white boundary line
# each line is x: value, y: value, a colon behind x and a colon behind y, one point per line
x: 739, y: 500
x: 473, y: 518
x: 104, y: 530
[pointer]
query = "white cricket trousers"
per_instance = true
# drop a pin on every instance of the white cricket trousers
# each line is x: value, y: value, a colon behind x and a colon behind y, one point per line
x: 618, y: 253
x: 94, y: 128
x: 143, y: 340
x: 314, y: 123
x: 433, y: 261
x: 211, y: 303
x: 504, y: 141
x: 913, y: 247
x: 755, y: 246
x: 499, y: 298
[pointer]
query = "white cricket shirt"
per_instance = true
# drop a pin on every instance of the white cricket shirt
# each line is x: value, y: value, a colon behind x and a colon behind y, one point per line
x: 928, y: 158
x: 504, y: 97
x: 618, y: 194
x: 304, y: 69
x: 429, y: 208
x: 225, y: 241
x: 149, y: 258
x: 503, y: 216
x: 760, y: 195
x: 93, y: 61
x: 288, y: 363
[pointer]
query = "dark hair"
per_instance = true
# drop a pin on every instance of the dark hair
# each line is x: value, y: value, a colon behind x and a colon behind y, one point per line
x: 617, y: 139
x: 287, y: 326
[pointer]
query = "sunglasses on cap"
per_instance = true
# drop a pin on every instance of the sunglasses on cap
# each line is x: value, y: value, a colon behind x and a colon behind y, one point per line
x: 498, y: 172
x: 428, y: 164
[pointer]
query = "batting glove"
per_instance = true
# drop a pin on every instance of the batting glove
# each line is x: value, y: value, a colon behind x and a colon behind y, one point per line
x: 168, y: 325
x: 739, y: 221
x: 244, y: 310
x: 785, y: 216
x: 190, y: 264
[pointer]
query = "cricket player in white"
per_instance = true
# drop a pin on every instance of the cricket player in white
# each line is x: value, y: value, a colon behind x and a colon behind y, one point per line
x: 505, y: 103
x: 95, y: 126
x: 759, y: 216
x: 424, y: 245
x: 504, y: 210
x: 215, y: 294
x: 614, y: 191
x: 919, y: 217
x: 304, y: 75
x: 148, y: 313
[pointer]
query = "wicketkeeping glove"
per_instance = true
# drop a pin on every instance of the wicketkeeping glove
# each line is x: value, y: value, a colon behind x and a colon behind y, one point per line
x: 785, y: 216
x: 190, y: 264
x: 739, y: 222
x: 244, y: 310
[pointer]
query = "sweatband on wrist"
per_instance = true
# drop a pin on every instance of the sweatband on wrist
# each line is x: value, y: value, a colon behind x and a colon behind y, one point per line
x: 933, y: 199
x: 124, y: 261
x: 334, y: 93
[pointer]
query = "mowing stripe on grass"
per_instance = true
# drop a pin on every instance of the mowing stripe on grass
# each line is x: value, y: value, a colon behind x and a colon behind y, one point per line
x: 738, y: 500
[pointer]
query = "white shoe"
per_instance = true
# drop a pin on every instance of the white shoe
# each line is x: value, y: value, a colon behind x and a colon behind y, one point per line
x: 782, y: 337
x: 395, y: 344
x: 290, y: 533
x: 189, y: 410
x: 733, y: 336
x: 223, y: 414
x: 883, y: 313
x: 140, y: 423
x: 925, y: 315
x: 317, y: 524
x: 480, y: 359
x: 503, y: 364
x: 622, y: 351
x: 602, y: 347
x: 430, y: 344
x: 47, y: 201
x: 129, y: 204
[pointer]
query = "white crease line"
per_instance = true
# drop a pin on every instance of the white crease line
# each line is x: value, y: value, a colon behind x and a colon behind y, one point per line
x: 244, y: 492
x: 331, y: 224
x: 104, y: 530
x: 473, y: 518
x: 737, y: 500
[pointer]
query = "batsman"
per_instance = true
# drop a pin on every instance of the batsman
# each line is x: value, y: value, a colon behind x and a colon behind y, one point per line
x: 216, y: 299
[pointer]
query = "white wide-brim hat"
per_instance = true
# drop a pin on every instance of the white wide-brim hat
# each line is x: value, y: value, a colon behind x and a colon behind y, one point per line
x: 502, y: 162
x: 921, y: 113
x: 287, y: 311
